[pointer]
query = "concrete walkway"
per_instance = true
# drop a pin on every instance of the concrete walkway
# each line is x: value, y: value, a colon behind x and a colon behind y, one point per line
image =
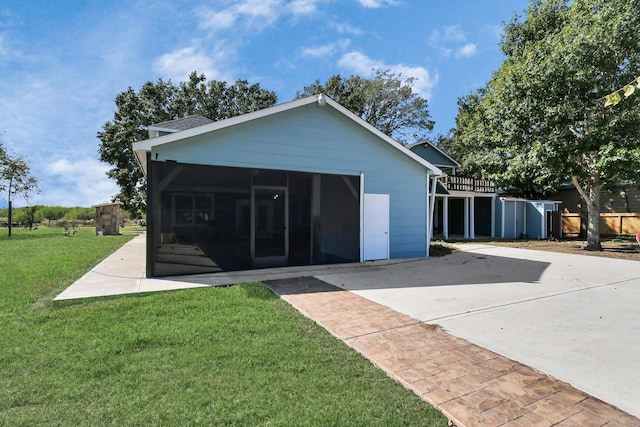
x: 389, y: 311
x: 122, y: 272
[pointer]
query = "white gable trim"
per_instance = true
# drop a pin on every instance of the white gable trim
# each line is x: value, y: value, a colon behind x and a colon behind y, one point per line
x: 162, y: 129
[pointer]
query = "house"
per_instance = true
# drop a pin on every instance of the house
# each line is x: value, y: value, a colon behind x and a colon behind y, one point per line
x: 469, y: 208
x: 464, y: 206
x: 305, y: 182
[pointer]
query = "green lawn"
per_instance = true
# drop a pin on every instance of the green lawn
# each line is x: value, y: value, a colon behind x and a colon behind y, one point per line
x: 223, y: 356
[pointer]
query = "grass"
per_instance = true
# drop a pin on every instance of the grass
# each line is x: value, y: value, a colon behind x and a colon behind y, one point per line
x: 440, y: 248
x: 207, y: 356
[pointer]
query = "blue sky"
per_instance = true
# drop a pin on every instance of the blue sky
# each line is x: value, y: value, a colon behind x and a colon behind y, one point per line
x: 63, y: 62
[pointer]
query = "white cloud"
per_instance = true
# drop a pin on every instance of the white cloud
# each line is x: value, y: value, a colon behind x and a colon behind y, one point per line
x: 245, y: 18
x: 326, y: 50
x: 453, y: 34
x: 257, y: 14
x: 377, y: 3
x: 265, y: 11
x: 303, y: 7
x: 466, y: 51
x: 360, y: 64
x: 447, y: 41
x: 79, y: 182
x: 178, y: 64
x: 254, y: 15
x: 216, y: 20
x: 345, y: 28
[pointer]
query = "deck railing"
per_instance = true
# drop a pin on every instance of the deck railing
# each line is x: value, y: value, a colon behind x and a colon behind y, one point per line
x: 463, y: 183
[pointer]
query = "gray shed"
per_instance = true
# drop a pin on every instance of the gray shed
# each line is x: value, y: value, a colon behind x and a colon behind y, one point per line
x: 524, y: 218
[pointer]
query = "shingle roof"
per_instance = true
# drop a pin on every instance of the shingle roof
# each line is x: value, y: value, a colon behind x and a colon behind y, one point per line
x: 181, y: 124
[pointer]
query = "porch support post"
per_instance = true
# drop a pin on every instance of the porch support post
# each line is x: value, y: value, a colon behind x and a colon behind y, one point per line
x: 445, y: 217
x: 502, y: 218
x: 432, y: 203
x: 154, y: 216
x: 466, y: 217
x: 472, y: 217
x: 316, y: 183
x: 361, y: 217
x: 493, y: 216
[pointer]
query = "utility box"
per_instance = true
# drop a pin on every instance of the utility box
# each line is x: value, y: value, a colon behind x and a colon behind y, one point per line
x: 107, y: 219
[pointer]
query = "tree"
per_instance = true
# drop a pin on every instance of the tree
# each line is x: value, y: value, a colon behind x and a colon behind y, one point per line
x: 15, y: 179
x: 628, y: 90
x: 387, y: 102
x: 163, y: 101
x: 541, y: 120
x: 29, y: 215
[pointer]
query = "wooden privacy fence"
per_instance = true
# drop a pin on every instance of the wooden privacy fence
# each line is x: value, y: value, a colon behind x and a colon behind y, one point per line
x: 614, y: 224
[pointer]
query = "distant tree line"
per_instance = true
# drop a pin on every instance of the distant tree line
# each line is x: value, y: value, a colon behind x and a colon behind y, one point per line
x: 31, y: 215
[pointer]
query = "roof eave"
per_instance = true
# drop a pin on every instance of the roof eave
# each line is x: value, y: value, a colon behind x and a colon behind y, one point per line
x: 162, y: 129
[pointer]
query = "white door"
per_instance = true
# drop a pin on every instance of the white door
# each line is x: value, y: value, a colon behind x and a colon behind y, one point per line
x: 376, y: 226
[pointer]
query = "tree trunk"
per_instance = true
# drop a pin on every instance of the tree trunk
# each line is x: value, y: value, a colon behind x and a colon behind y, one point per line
x: 10, y: 218
x: 593, y: 221
x: 592, y: 200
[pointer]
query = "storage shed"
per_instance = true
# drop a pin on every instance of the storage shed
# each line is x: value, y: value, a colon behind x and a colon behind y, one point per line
x: 522, y: 218
x: 108, y: 219
x: 306, y: 182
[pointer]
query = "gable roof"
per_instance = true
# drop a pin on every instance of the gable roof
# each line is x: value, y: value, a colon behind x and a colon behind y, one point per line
x: 143, y: 147
x: 444, y: 160
x: 181, y: 124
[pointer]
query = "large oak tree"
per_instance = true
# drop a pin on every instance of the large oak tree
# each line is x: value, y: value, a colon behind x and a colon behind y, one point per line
x: 387, y: 101
x: 541, y: 119
x: 163, y: 101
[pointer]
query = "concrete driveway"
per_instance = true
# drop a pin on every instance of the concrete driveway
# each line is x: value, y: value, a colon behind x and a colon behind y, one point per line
x: 574, y: 317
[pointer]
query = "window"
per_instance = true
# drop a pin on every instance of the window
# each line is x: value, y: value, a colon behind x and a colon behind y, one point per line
x: 191, y: 209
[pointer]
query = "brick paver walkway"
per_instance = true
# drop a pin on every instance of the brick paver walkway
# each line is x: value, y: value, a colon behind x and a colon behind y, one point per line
x: 469, y: 384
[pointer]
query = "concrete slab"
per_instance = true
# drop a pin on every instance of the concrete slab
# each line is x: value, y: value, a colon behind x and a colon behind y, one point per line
x: 571, y: 316
x: 122, y: 272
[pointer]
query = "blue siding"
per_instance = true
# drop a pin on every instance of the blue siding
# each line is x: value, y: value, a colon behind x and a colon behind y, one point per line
x: 509, y: 219
x: 535, y: 214
x: 498, y: 218
x: 520, y: 219
x: 433, y: 156
x: 321, y: 140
